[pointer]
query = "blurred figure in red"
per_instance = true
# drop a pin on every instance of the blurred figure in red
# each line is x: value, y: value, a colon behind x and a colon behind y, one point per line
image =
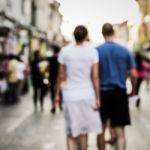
x: 141, y: 72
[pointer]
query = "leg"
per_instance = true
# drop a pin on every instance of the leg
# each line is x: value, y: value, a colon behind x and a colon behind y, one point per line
x: 15, y: 91
x: 112, y: 139
x: 19, y: 89
x: 52, y: 93
x: 121, y: 141
x: 61, y: 101
x: 71, y: 143
x: 83, y: 142
x: 139, y: 81
x: 101, y: 139
x: 43, y: 90
x: 35, y: 96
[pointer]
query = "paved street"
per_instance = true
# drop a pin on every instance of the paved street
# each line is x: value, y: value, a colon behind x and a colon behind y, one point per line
x: 23, y: 129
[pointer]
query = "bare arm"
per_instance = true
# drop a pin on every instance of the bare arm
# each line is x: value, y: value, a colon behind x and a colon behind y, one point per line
x: 96, y: 82
x: 60, y: 79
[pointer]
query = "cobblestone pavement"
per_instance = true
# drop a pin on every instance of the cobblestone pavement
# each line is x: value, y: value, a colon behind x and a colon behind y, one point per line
x: 23, y: 129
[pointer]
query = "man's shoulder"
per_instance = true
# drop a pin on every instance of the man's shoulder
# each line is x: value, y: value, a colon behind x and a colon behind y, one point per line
x: 67, y: 47
x: 101, y: 46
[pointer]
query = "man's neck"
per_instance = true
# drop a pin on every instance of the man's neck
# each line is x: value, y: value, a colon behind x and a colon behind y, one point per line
x: 109, y: 38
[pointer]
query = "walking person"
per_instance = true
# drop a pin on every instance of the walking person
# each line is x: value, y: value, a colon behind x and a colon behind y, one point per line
x: 12, y: 79
x: 79, y: 70
x: 21, y: 68
x: 141, y: 70
x: 53, y: 73
x: 38, y: 80
x: 116, y: 63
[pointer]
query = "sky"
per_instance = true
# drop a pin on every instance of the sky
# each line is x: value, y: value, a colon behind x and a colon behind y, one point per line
x: 93, y: 13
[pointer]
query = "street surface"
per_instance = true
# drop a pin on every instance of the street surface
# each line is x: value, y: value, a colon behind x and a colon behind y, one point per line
x: 23, y: 129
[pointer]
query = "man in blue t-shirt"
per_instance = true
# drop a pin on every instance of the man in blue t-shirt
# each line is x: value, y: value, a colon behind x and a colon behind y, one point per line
x: 116, y: 63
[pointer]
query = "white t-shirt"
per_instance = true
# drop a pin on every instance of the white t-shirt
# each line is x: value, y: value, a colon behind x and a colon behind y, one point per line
x: 21, y: 67
x: 3, y: 86
x: 78, y: 61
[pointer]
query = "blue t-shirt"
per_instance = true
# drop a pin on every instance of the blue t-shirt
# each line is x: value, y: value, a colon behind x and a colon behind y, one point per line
x: 115, y: 62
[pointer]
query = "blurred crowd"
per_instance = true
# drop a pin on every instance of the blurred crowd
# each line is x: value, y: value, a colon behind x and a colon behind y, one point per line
x: 16, y: 76
x: 13, y: 78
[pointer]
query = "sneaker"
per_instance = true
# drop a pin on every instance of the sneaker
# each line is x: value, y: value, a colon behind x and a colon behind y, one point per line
x: 53, y: 110
x: 138, y: 103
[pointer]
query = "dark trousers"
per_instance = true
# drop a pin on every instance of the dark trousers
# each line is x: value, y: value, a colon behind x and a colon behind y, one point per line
x: 39, y: 92
x: 139, y: 81
x: 12, y: 92
x: 138, y: 85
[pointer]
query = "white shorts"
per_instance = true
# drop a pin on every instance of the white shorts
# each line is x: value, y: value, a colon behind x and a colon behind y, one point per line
x: 81, y: 118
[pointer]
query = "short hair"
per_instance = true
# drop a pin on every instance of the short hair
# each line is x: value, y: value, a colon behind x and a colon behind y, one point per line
x: 107, y: 29
x: 55, y: 48
x: 80, y: 33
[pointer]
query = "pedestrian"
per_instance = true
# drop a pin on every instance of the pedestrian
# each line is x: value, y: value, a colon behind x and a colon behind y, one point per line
x: 38, y: 80
x: 12, y: 79
x: 21, y: 68
x: 141, y: 70
x: 79, y: 70
x: 53, y: 73
x: 116, y: 63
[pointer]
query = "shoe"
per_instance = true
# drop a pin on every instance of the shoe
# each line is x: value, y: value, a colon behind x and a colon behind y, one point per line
x: 53, y: 110
x: 138, y: 103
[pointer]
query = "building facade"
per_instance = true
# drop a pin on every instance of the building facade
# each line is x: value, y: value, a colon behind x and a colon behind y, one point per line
x: 41, y: 14
x: 18, y: 9
x: 144, y: 29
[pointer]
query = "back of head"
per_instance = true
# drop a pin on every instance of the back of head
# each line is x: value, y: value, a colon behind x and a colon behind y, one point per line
x: 12, y: 56
x: 36, y: 54
x: 80, y: 33
x: 107, y: 30
x: 55, y: 48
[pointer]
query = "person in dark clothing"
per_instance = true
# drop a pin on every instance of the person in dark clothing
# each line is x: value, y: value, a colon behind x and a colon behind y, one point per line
x: 37, y: 81
x: 53, y: 71
x: 141, y: 70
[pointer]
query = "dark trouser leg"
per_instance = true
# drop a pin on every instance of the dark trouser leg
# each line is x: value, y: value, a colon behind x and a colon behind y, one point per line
x: 139, y: 81
x: 12, y: 92
x: 19, y: 91
x: 52, y: 94
x: 43, y: 90
x: 52, y: 90
x: 35, y: 96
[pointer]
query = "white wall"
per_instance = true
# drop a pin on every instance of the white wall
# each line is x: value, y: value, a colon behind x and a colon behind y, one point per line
x: 13, y: 8
x: 42, y: 18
